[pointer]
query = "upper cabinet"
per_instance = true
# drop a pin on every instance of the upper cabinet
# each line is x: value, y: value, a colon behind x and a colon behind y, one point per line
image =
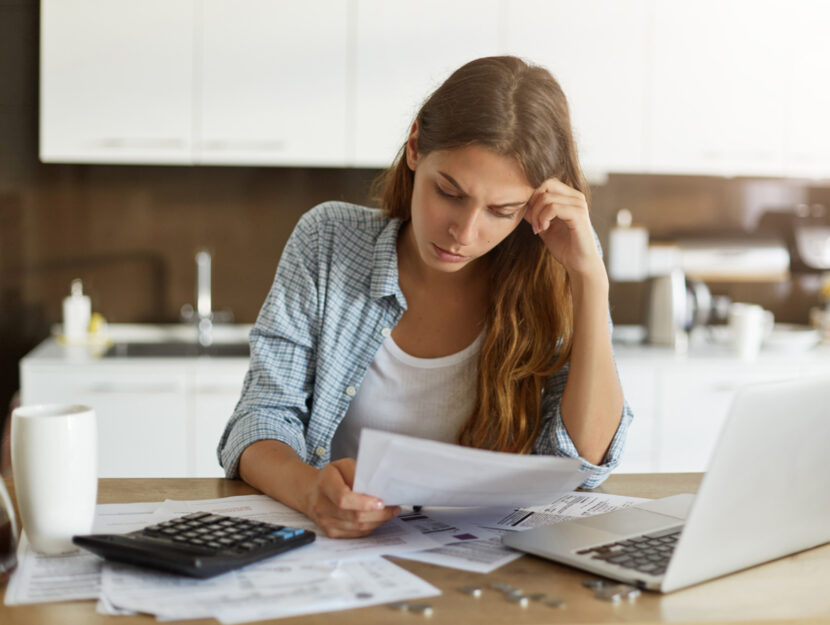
x: 402, y: 52
x: 116, y: 81
x: 271, y: 83
x: 598, y: 52
x: 716, y: 87
x: 719, y: 94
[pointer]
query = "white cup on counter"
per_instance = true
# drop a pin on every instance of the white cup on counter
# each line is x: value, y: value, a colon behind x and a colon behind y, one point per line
x: 55, y: 464
x: 750, y: 324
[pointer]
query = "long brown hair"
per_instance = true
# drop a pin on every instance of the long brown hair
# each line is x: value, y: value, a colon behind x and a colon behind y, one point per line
x: 517, y: 110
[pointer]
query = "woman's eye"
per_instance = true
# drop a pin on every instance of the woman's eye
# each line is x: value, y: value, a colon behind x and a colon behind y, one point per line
x: 505, y: 215
x: 446, y: 193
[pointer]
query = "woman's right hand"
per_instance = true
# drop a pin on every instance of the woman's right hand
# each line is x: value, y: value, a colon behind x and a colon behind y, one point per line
x: 338, y: 510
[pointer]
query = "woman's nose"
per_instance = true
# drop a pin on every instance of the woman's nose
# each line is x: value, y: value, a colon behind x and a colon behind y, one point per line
x: 463, y: 226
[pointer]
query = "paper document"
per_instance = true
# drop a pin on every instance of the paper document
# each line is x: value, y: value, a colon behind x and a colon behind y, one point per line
x: 76, y: 575
x: 271, y: 589
x: 477, y: 547
x: 403, y: 470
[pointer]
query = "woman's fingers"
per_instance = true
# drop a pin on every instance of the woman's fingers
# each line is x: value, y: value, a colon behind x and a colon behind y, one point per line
x: 554, y: 199
x: 548, y: 208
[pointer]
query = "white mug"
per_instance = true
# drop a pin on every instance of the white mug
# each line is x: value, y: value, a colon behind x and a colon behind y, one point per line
x: 55, y: 466
x: 750, y: 324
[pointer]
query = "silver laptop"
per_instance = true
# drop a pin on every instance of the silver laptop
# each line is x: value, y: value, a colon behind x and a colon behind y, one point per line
x: 766, y: 494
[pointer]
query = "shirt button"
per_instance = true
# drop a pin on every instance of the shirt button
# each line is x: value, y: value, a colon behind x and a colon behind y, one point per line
x: 320, y: 451
x: 351, y: 391
x: 386, y: 332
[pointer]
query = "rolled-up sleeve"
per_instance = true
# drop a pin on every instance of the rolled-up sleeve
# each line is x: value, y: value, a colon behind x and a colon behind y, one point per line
x: 554, y: 439
x: 275, y: 398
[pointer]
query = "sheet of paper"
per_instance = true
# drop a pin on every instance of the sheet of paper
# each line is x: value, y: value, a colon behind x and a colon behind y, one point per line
x: 362, y: 583
x: 76, y: 575
x: 462, y: 545
x: 566, y: 507
x: 271, y: 589
x: 478, y: 548
x: 404, y: 470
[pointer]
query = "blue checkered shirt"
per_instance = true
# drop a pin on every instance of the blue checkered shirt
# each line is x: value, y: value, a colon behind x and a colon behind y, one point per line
x: 335, y: 292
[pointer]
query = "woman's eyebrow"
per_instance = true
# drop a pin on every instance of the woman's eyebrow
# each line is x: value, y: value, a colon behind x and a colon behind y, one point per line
x: 458, y: 187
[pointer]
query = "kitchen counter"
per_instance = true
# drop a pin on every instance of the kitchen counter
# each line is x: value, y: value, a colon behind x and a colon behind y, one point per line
x: 54, y: 350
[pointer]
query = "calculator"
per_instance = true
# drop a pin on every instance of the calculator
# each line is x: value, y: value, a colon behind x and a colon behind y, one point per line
x: 198, y: 545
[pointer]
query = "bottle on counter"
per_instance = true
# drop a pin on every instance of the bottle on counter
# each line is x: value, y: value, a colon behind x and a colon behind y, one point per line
x: 77, y: 310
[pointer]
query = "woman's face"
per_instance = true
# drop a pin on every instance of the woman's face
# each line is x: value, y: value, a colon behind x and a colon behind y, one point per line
x: 465, y: 202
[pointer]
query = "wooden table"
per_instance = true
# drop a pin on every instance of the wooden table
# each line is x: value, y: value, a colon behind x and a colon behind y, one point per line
x: 793, y: 590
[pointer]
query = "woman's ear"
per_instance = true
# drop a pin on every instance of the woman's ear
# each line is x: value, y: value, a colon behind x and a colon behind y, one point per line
x: 412, y: 147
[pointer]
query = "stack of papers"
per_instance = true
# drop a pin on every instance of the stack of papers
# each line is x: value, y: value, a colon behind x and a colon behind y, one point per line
x: 331, y: 574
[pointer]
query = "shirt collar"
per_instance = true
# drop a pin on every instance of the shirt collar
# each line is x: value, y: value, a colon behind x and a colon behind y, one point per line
x: 385, y: 264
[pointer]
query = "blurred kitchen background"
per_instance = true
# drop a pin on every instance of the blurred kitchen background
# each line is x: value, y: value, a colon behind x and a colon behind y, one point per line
x: 135, y: 132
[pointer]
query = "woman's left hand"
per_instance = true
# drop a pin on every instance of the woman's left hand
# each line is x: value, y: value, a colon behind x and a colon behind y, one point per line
x: 559, y: 215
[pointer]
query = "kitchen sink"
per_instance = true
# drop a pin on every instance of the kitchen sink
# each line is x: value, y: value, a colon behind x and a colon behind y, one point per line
x: 176, y: 349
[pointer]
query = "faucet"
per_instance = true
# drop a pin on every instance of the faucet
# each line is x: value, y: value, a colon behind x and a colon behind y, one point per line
x: 204, y: 314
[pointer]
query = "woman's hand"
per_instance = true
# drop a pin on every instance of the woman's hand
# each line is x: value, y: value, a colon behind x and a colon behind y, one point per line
x: 559, y: 215
x: 338, y: 510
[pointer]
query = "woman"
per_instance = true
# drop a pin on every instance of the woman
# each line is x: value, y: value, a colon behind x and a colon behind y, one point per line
x: 473, y: 308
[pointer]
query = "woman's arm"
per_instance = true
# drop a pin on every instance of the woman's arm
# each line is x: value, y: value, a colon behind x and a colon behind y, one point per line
x: 324, y: 495
x: 592, y: 402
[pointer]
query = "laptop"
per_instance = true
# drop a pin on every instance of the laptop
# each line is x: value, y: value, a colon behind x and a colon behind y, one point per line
x: 766, y: 494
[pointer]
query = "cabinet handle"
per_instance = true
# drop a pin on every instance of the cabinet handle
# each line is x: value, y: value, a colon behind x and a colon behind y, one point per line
x: 214, y: 390
x: 120, y: 143
x: 219, y: 145
x: 108, y: 389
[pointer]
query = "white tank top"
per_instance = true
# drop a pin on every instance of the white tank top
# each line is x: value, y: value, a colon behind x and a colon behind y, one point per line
x: 424, y: 397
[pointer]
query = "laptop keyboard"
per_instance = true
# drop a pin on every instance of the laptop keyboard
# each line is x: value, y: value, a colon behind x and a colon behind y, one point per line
x: 649, y: 553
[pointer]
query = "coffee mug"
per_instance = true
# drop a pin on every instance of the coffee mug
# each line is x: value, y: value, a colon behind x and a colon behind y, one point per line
x: 750, y: 325
x: 55, y: 466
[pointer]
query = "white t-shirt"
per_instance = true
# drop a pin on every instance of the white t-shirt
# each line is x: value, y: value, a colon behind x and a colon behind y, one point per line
x: 424, y: 397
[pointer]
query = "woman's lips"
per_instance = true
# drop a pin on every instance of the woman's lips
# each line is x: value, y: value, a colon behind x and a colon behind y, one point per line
x: 447, y: 257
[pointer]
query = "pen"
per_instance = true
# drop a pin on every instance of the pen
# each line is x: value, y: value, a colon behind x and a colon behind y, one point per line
x: 416, y: 508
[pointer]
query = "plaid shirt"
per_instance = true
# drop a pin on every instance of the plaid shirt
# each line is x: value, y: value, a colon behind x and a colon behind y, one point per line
x: 334, y: 300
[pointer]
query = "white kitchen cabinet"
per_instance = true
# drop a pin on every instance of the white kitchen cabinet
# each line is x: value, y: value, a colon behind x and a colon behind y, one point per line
x: 807, y: 127
x: 693, y: 403
x: 116, y: 81
x: 272, y: 82
x: 719, y: 88
x: 157, y: 417
x: 403, y: 51
x: 639, y: 383
x: 142, y: 414
x: 598, y: 52
x: 214, y: 394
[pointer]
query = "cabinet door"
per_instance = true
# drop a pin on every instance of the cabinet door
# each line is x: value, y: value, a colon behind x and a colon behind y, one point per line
x: 141, y: 414
x: 403, y: 51
x: 639, y: 384
x: 272, y: 87
x: 215, y: 394
x: 719, y: 90
x: 808, y: 119
x: 693, y: 403
x: 597, y: 51
x: 116, y: 81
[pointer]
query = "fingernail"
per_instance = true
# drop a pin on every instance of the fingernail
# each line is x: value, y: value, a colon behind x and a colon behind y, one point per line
x: 378, y: 505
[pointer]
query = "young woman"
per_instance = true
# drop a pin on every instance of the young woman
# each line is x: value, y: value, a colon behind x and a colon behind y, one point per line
x: 472, y: 308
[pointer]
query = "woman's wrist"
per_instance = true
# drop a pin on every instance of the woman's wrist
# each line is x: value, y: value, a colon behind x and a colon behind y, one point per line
x: 592, y: 282
x: 275, y: 469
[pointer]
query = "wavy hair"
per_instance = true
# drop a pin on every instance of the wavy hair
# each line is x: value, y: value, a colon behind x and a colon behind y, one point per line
x: 517, y: 110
